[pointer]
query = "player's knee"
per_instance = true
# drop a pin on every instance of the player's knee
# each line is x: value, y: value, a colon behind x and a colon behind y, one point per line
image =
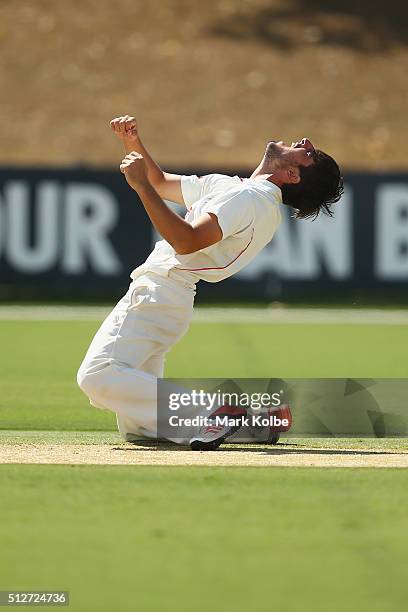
x: 93, y: 383
x: 83, y: 380
x: 87, y: 382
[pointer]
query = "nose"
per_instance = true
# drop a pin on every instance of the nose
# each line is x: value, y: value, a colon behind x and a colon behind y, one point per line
x: 306, y: 144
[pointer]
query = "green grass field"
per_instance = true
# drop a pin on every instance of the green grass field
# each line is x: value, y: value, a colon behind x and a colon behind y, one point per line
x: 40, y: 359
x: 196, y: 538
x: 230, y: 539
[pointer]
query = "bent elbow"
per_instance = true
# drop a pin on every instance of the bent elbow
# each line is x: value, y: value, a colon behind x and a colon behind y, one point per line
x: 184, y: 245
x: 184, y: 249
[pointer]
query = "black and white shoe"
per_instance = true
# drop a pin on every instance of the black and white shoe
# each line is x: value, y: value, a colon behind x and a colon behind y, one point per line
x: 221, y: 424
x: 264, y: 433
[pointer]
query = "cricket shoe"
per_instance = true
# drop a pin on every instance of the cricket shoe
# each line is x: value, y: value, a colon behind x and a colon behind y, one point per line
x: 264, y: 428
x: 220, y: 425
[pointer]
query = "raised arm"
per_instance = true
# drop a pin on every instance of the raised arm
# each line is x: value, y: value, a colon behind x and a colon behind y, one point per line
x: 183, y: 237
x: 167, y: 185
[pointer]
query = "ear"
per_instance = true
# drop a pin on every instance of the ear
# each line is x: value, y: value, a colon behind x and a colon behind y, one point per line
x: 293, y: 175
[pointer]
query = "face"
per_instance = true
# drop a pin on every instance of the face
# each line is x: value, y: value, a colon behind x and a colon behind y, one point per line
x: 300, y: 153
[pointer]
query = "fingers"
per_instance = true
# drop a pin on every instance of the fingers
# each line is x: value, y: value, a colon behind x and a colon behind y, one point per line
x: 114, y: 124
x: 118, y: 125
x: 129, y: 159
x: 132, y: 156
x: 124, y: 125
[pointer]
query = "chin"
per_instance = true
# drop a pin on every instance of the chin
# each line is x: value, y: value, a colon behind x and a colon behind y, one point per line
x: 272, y: 149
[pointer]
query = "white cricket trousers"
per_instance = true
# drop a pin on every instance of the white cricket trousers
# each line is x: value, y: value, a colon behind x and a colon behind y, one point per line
x: 126, y: 356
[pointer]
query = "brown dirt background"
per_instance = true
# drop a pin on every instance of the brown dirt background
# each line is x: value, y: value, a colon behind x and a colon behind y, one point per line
x: 131, y: 454
x: 209, y: 81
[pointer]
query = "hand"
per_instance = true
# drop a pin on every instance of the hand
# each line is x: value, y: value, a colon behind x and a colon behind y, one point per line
x: 134, y: 168
x: 125, y: 127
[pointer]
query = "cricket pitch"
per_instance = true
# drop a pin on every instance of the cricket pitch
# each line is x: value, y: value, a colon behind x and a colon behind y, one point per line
x: 283, y: 455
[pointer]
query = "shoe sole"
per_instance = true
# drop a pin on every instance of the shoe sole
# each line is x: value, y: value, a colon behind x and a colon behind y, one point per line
x: 199, y: 445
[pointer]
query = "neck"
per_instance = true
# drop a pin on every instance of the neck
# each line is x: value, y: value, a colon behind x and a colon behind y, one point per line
x: 263, y: 171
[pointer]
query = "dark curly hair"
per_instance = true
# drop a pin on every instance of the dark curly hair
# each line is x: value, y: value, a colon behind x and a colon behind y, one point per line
x: 320, y: 186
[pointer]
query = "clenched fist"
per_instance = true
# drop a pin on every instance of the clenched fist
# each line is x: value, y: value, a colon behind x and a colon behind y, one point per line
x: 125, y: 127
x: 134, y: 168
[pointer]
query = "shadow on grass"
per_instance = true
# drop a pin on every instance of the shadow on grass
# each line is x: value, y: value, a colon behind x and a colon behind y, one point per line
x: 265, y: 450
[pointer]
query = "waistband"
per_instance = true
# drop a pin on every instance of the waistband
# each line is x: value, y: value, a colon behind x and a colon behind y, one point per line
x: 181, y: 277
x: 189, y: 279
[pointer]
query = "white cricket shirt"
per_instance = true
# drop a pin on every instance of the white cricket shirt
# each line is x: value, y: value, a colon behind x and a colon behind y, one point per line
x: 248, y: 215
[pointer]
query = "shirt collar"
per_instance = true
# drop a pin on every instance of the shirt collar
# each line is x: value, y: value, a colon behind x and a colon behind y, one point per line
x: 270, y: 187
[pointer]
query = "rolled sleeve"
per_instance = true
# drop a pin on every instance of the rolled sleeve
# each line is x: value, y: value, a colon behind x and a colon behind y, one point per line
x: 195, y: 187
x: 191, y: 188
